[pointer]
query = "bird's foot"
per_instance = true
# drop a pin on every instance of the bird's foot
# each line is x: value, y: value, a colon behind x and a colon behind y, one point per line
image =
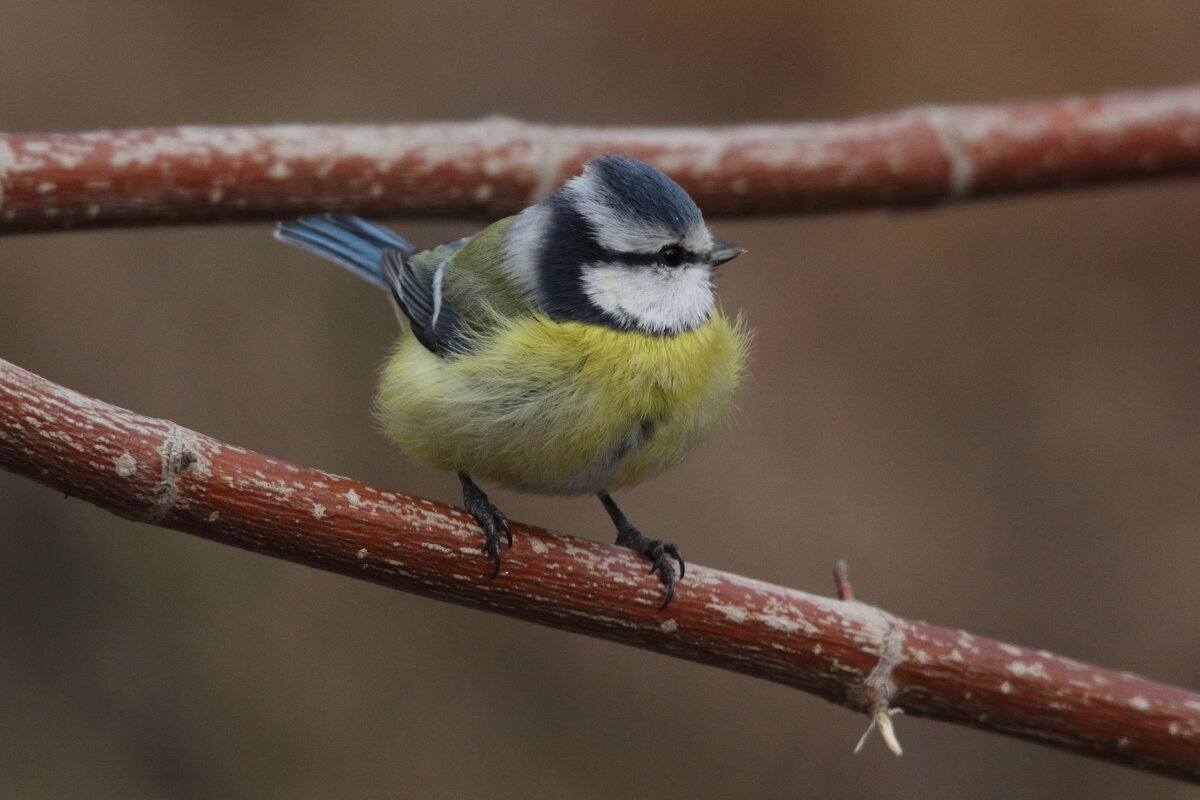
x: 490, y: 518
x: 657, y: 551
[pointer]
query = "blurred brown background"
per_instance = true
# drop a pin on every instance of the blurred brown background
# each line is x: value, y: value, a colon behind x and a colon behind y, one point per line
x: 991, y: 411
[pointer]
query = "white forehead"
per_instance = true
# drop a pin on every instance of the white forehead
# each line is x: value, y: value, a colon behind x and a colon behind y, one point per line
x: 615, y: 229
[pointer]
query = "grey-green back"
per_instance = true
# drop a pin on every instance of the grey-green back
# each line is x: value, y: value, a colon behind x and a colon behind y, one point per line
x: 474, y: 286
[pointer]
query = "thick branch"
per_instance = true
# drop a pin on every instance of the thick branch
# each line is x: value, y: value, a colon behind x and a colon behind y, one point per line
x: 494, y: 167
x: 847, y: 652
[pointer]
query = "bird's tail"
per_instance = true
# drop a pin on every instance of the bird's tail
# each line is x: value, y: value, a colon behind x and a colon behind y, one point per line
x: 354, y: 243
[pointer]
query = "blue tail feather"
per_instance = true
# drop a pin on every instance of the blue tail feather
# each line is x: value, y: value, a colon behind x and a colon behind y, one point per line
x: 354, y: 243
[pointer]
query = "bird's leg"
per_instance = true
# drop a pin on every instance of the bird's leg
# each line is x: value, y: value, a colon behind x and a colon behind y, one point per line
x: 490, y: 518
x: 656, y: 549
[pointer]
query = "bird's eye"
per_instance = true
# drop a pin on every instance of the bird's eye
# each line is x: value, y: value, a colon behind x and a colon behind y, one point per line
x: 671, y: 255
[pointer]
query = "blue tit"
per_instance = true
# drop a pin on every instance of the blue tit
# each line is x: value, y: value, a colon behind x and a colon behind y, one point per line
x: 573, y: 348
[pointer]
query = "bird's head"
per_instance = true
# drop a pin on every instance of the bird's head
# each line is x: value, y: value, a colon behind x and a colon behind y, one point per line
x: 621, y: 245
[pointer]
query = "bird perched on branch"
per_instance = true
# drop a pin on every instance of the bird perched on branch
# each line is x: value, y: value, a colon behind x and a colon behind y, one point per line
x: 573, y: 348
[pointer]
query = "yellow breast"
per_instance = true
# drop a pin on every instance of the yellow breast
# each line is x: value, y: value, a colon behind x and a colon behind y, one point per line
x: 555, y: 407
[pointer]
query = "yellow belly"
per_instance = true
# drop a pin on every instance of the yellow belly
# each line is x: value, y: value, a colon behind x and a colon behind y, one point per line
x: 561, y: 408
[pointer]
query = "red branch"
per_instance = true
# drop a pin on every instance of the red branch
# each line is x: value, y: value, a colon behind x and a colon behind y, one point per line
x: 843, y: 650
x: 494, y: 167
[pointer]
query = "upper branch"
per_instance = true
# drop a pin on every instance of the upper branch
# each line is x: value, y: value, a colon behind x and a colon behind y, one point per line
x: 496, y: 166
x: 842, y: 650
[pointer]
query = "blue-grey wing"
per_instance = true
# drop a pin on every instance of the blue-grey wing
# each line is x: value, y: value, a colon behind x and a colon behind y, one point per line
x: 418, y: 293
x: 354, y: 243
x: 388, y: 261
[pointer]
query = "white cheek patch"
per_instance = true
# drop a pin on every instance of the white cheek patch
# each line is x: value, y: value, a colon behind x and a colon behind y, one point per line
x: 624, y: 234
x: 652, y: 298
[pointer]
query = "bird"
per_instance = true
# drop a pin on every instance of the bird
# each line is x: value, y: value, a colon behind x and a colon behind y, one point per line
x: 573, y: 348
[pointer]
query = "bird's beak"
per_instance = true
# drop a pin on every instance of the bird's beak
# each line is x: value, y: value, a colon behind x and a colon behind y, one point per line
x: 724, y: 251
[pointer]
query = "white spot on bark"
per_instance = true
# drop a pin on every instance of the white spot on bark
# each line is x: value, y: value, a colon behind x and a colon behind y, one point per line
x: 732, y: 613
x: 1031, y: 668
x: 779, y: 622
x: 126, y: 465
x: 318, y: 511
x: 1006, y: 688
x: 668, y: 626
x: 1140, y: 703
x: 362, y: 553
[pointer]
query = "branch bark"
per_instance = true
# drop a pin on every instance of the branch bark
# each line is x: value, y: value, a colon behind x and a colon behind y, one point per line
x: 494, y: 167
x: 845, y: 651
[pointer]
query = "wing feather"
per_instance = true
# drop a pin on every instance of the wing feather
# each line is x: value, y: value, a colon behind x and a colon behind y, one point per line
x: 418, y: 295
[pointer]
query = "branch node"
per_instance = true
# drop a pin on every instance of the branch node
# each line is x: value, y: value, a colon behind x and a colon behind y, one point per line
x: 878, y: 689
x: 946, y: 126
x: 178, y: 455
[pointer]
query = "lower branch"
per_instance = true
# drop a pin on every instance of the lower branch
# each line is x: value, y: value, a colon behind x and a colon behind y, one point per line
x: 842, y: 650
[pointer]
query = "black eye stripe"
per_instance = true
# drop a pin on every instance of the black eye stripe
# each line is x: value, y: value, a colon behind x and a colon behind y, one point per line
x: 648, y: 259
x: 671, y: 255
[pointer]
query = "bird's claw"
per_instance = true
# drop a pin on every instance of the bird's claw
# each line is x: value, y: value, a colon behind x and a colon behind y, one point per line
x: 674, y: 551
x: 657, y: 551
x: 660, y: 553
x: 664, y: 567
x: 668, y: 576
x: 503, y: 522
x: 490, y: 518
